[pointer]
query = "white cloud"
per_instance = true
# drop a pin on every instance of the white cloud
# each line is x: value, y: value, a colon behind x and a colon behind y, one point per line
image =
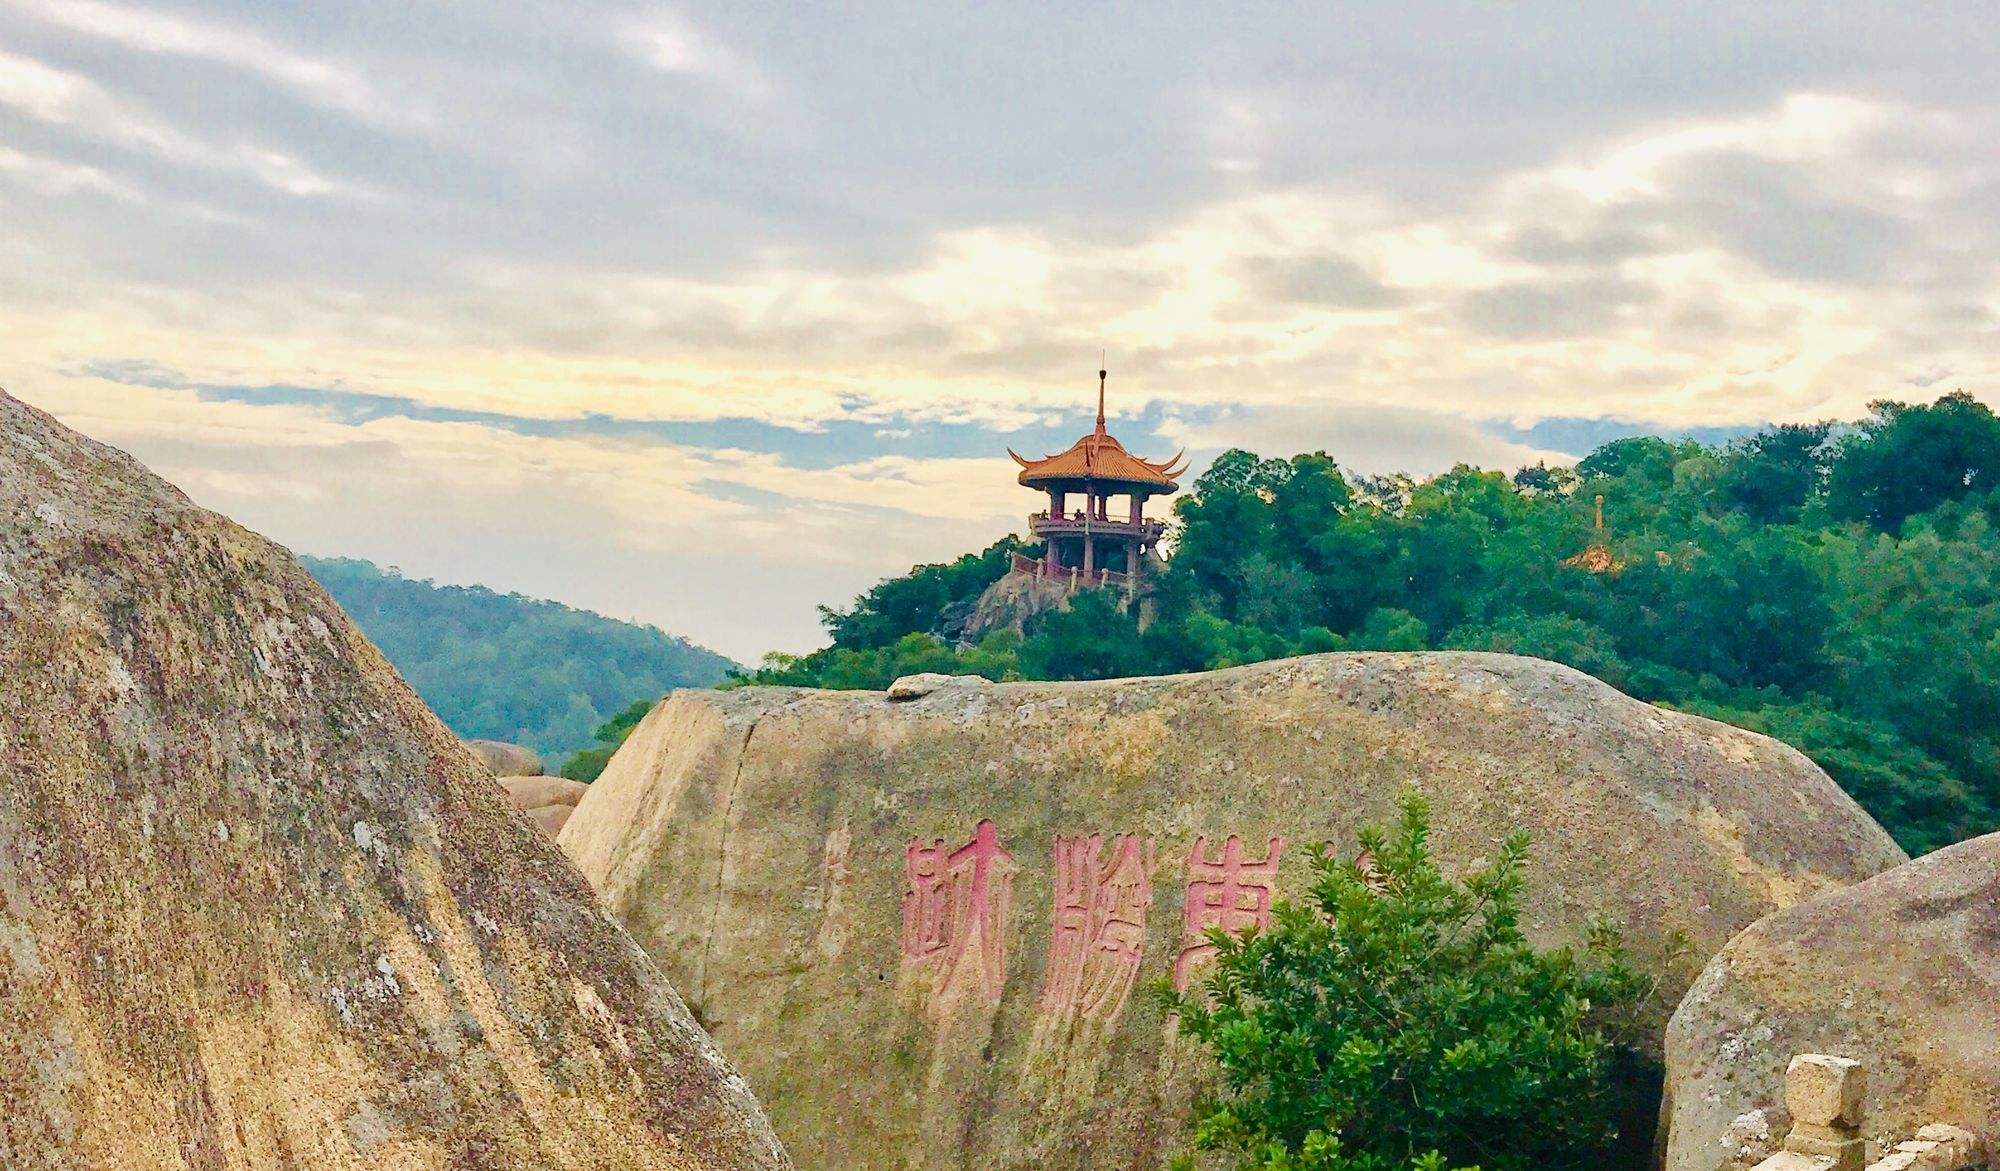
x: 1375, y: 438
x: 670, y: 42
x: 322, y: 82
x: 61, y: 98
x: 55, y: 177
x: 1531, y: 298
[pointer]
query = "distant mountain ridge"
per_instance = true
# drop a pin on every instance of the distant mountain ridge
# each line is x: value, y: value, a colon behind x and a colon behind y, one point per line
x: 508, y: 667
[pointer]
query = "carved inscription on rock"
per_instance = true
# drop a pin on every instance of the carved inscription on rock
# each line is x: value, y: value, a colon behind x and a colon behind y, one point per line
x: 1098, y: 936
x: 1231, y: 892
x: 835, y: 871
x: 955, y: 905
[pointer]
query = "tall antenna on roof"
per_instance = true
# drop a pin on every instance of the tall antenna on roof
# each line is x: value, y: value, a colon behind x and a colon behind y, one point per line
x: 1101, y: 372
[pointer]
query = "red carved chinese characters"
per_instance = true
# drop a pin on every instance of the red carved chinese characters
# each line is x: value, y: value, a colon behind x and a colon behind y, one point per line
x: 955, y: 909
x: 1100, y: 925
x: 1228, y: 892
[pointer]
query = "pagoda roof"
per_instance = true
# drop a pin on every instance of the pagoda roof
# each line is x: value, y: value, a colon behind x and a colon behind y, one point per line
x: 1098, y: 458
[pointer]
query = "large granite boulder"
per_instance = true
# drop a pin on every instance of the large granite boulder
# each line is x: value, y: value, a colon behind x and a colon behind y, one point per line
x: 258, y: 908
x: 1901, y: 973
x: 506, y: 760
x: 925, y: 928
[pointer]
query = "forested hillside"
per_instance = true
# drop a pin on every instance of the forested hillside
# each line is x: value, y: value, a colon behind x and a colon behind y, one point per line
x: 1832, y: 585
x: 505, y: 667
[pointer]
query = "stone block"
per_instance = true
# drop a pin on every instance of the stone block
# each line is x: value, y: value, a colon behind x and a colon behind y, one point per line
x: 918, y: 686
x: 1964, y: 1145
x: 1825, y: 1091
x: 1844, y: 1151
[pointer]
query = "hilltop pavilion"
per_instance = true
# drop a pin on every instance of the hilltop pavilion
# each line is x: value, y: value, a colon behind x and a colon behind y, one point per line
x: 1086, y: 544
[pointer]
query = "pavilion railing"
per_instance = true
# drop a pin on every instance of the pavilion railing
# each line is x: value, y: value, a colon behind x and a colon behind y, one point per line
x: 1035, y: 567
x: 1078, y: 523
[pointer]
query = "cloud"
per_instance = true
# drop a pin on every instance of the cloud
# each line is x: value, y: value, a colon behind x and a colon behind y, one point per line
x: 55, y: 177
x: 322, y: 82
x: 1555, y: 307
x: 1593, y: 284
x: 1374, y: 439
x: 1331, y: 280
x: 668, y: 41
x: 1766, y: 211
x: 70, y: 100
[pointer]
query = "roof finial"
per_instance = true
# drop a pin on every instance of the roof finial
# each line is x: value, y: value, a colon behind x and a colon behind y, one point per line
x: 1100, y: 393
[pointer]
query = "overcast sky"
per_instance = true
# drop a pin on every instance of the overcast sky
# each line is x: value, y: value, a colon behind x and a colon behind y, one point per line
x: 702, y: 315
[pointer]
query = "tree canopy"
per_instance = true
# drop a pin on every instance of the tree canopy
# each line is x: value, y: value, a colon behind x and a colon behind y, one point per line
x: 1833, y: 585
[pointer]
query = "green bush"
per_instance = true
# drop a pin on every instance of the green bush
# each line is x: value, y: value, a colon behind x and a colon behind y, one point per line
x: 1397, y: 1019
x: 588, y: 764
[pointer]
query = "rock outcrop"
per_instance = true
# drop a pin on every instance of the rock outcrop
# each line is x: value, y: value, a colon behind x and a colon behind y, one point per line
x: 548, y: 801
x: 925, y: 929
x: 506, y: 760
x: 258, y: 908
x: 1901, y: 972
x: 1012, y: 602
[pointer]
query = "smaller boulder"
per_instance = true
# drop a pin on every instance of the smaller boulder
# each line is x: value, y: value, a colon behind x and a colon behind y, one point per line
x: 918, y: 686
x: 548, y: 801
x: 506, y: 760
x: 1901, y: 972
x: 551, y: 818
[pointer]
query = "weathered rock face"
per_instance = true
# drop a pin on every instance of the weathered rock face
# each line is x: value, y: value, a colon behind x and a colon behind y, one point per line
x: 1901, y: 973
x: 925, y: 929
x: 1011, y: 602
x: 258, y: 908
x: 548, y: 801
x: 506, y: 760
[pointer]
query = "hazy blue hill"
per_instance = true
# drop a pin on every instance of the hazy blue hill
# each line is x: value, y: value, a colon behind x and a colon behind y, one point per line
x: 506, y: 667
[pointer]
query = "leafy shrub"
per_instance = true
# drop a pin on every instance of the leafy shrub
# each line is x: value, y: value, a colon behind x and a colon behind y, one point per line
x: 1398, y: 1020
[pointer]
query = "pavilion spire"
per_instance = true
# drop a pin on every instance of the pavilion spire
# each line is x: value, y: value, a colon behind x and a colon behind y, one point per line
x: 1101, y: 372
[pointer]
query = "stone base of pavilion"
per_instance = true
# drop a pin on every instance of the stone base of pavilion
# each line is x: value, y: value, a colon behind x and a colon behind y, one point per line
x: 1031, y: 588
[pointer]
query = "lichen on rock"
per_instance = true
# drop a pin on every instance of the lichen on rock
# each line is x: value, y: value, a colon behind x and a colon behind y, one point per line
x: 258, y: 908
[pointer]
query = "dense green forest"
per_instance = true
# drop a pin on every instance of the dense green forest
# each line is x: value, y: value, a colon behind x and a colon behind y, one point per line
x: 1832, y: 585
x: 505, y: 667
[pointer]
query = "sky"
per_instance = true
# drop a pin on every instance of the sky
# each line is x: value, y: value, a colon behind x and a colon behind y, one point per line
x: 705, y: 315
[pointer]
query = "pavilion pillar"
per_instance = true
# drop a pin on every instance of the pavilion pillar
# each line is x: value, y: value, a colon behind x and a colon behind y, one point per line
x: 1138, y: 507
x: 1089, y: 557
x: 1051, y: 558
x: 1132, y: 560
